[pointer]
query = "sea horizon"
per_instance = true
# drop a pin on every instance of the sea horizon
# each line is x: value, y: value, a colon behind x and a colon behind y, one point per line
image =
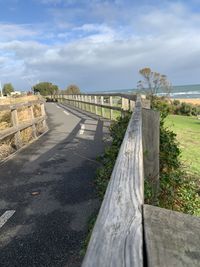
x: 178, y: 91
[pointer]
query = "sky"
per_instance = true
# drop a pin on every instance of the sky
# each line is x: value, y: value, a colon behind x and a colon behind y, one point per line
x: 97, y: 44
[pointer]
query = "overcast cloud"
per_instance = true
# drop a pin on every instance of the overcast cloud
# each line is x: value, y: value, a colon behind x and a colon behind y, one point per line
x: 98, y: 45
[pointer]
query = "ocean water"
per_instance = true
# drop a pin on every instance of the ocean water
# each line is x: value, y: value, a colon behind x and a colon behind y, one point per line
x: 183, y: 91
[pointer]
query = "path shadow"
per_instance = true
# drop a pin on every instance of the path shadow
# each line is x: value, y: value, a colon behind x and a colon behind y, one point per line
x: 64, y: 177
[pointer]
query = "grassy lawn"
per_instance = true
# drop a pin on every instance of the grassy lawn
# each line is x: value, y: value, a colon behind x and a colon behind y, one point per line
x: 188, y: 135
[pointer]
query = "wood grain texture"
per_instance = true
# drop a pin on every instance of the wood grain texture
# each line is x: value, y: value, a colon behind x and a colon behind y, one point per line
x: 146, y: 103
x: 19, y: 127
x: 15, y: 122
x: 151, y: 147
x: 31, y: 115
x: 111, y: 104
x: 172, y: 238
x: 128, y: 96
x: 116, y: 239
x: 70, y: 101
x: 20, y: 105
x: 125, y: 103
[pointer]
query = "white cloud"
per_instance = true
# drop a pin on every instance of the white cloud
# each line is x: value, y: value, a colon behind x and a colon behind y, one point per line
x: 106, y: 55
x: 12, y: 31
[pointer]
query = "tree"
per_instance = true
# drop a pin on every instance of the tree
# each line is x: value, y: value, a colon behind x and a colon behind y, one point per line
x: 8, y: 88
x: 72, y: 89
x: 45, y: 88
x: 153, y: 82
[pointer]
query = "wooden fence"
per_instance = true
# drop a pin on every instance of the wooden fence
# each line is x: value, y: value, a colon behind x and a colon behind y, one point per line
x: 105, y: 105
x: 117, y: 236
x: 18, y: 126
x: 127, y: 232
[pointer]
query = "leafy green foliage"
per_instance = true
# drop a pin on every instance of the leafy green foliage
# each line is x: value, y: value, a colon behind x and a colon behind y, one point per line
x: 178, y: 191
x: 45, y: 88
x: 72, y: 89
x: 8, y: 88
x: 169, y: 147
x: 175, y: 107
x: 117, y: 131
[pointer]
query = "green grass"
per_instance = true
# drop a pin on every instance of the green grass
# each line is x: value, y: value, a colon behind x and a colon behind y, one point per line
x: 188, y: 135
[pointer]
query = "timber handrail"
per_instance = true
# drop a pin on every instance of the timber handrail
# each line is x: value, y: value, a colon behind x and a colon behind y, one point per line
x: 102, y: 102
x: 20, y: 105
x: 22, y: 126
x: 18, y: 126
x: 117, y: 238
x: 97, y: 104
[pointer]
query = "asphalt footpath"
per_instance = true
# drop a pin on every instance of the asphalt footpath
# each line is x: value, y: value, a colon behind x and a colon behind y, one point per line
x: 47, y: 191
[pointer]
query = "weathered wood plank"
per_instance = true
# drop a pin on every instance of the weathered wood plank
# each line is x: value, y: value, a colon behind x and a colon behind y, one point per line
x: 21, y: 126
x: 15, y: 123
x: 125, y: 104
x: 128, y: 96
x: 172, y: 239
x: 146, y: 103
x: 20, y: 105
x: 111, y: 104
x: 95, y: 104
x: 151, y: 147
x: 102, y: 109
x: 43, y: 113
x: 117, y: 239
x: 31, y: 114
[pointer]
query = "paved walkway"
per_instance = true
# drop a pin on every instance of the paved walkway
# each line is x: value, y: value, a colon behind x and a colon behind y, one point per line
x: 49, y: 185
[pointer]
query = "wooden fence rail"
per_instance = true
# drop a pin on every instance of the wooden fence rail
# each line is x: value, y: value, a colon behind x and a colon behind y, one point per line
x: 128, y: 233
x: 103, y: 104
x: 18, y: 126
x: 117, y: 236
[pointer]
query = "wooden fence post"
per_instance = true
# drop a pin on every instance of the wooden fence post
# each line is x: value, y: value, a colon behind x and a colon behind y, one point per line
x: 131, y: 105
x: 85, y: 105
x: 102, y: 109
x: 95, y: 101
x: 90, y: 101
x: 125, y: 106
x: 43, y: 113
x: 146, y: 103
x: 83, y: 99
x: 86, y: 100
x: 79, y: 99
x: 111, y: 104
x: 151, y: 143
x: 31, y: 114
x: 15, y: 123
x: 76, y: 98
x: 82, y: 102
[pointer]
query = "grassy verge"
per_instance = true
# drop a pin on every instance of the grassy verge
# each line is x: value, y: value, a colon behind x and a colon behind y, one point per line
x: 188, y: 135
x: 15, y: 100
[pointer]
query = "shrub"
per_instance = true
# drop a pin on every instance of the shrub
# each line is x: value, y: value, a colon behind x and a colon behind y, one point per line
x: 117, y: 131
x: 177, y: 191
